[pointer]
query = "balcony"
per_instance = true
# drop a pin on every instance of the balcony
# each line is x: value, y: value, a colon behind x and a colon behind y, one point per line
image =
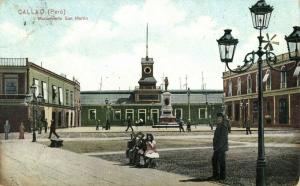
x: 138, y: 88
x: 13, y: 62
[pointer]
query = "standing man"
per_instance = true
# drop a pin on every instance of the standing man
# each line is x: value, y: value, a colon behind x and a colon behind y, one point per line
x: 129, y: 124
x: 220, y: 146
x: 6, y: 129
x: 52, y: 129
x: 98, y: 124
x: 180, y: 123
x: 228, y: 123
x: 45, y: 122
x: 248, y: 130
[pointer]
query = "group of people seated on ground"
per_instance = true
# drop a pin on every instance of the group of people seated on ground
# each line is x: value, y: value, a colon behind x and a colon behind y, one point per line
x: 141, y: 150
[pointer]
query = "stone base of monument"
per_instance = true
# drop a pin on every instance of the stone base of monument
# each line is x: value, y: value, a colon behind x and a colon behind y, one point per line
x: 167, y: 119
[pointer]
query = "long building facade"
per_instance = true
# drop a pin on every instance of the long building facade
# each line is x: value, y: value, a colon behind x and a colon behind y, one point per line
x: 281, y: 101
x: 204, y: 104
x: 61, y: 96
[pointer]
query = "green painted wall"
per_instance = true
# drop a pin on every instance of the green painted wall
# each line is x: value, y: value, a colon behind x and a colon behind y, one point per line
x: 101, y: 113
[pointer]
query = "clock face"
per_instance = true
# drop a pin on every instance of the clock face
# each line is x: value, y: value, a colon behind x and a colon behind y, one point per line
x: 147, y: 70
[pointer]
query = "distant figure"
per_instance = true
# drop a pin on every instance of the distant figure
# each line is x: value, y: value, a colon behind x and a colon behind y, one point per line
x: 129, y: 124
x: 166, y: 83
x: 29, y: 125
x: 98, y: 124
x: 52, y: 129
x: 188, y: 126
x: 21, y: 130
x: 180, y: 123
x: 211, y: 125
x: 45, y: 123
x: 141, y: 122
x: 228, y: 123
x: 6, y: 129
x: 248, y: 130
x: 220, y: 146
x: 107, y: 126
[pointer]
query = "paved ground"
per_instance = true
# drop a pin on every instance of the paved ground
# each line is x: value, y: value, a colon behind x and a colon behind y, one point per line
x: 26, y: 163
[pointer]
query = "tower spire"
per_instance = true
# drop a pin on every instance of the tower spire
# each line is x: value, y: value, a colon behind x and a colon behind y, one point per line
x: 147, y: 43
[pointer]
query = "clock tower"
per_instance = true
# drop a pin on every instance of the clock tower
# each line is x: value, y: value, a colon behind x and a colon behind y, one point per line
x: 147, y: 90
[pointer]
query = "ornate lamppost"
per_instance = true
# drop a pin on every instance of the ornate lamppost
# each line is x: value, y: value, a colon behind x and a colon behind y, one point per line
x: 189, y: 105
x: 34, y: 101
x: 261, y: 13
x: 106, y: 114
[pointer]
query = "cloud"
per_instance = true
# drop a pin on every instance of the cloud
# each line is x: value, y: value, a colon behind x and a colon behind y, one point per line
x: 11, y: 35
x: 85, y: 31
x: 174, y: 42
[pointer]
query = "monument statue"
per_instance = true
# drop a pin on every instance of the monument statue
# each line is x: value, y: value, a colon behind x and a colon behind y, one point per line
x: 166, y: 83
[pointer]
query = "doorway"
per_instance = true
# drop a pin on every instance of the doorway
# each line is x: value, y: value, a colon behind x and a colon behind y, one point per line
x: 283, y: 111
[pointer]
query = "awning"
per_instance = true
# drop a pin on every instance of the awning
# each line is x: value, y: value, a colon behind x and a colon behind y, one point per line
x: 297, y: 71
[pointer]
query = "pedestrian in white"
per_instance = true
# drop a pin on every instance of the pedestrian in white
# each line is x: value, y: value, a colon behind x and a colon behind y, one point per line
x: 6, y: 129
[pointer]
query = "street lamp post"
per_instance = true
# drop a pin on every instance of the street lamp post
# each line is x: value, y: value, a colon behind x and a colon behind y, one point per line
x: 106, y: 114
x: 260, y: 13
x: 189, y: 105
x: 34, y: 101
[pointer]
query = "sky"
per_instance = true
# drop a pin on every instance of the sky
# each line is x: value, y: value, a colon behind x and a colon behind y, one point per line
x: 108, y: 41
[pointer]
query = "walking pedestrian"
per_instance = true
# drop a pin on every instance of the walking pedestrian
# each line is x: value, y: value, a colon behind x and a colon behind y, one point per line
x: 129, y: 124
x: 52, y: 129
x: 248, y: 130
x: 220, y: 146
x: 211, y: 125
x: 6, y: 129
x: 21, y: 130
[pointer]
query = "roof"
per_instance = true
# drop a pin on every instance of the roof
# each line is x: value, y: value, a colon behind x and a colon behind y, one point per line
x: 147, y: 60
x: 127, y: 97
x: 148, y: 80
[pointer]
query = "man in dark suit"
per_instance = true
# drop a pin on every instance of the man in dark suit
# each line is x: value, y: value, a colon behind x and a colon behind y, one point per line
x: 52, y: 129
x: 129, y: 124
x: 220, y: 146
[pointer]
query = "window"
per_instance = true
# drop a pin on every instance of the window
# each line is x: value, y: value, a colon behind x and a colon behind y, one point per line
x: 229, y: 88
x: 37, y: 90
x: 11, y: 84
x: 249, y: 84
x: 239, y: 83
x: 54, y: 93
x: 142, y: 115
x: 44, y: 90
x: 71, y: 98
x: 92, y: 114
x: 60, y: 92
x: 267, y: 80
x: 178, y: 113
x: 283, y: 78
x: 297, y: 74
x: 117, y: 115
x: 256, y: 82
x: 155, y: 115
x: 202, y: 113
x: 67, y: 97
x: 129, y: 114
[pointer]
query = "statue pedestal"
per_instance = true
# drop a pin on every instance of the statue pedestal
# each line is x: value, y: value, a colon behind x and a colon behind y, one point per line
x: 167, y: 116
